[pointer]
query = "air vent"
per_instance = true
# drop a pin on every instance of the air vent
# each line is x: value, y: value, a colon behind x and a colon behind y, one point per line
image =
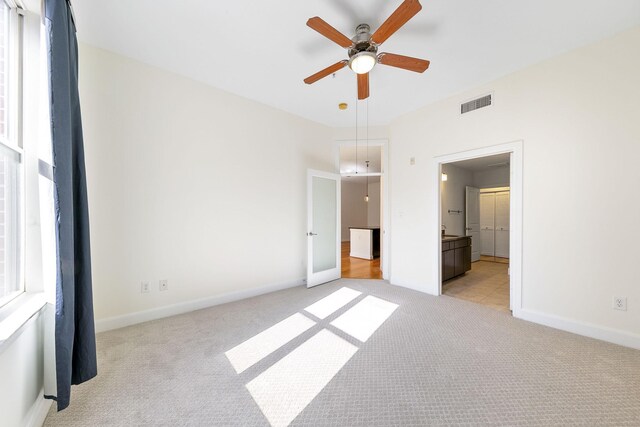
x: 485, y: 101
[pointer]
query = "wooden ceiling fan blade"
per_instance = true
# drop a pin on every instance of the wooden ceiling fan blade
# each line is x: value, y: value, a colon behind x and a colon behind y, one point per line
x: 406, y: 62
x: 329, y: 32
x: 324, y: 73
x: 402, y: 14
x: 363, y: 86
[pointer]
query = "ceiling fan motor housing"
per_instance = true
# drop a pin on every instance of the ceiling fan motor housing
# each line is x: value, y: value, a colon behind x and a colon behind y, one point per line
x: 362, y: 41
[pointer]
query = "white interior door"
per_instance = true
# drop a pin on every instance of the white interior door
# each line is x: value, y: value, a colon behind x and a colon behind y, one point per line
x: 487, y: 221
x: 472, y: 220
x: 502, y: 225
x: 323, y: 225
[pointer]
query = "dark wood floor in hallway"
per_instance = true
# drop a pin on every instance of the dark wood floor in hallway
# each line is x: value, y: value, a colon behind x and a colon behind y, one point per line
x: 356, y: 268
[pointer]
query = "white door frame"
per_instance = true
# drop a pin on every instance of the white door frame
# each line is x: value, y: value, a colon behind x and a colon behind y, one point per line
x: 515, y: 206
x: 385, y: 217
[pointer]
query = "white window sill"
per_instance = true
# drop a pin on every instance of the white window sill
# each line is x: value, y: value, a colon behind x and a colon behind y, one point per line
x: 16, y: 314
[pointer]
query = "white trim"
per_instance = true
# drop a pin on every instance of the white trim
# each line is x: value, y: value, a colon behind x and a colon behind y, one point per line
x: 385, y: 217
x: 38, y: 412
x: 117, y: 322
x: 515, y: 236
x: 16, y: 314
x: 590, y: 330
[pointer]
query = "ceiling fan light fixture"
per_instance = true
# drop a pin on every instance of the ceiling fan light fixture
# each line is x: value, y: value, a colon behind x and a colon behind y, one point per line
x: 362, y: 62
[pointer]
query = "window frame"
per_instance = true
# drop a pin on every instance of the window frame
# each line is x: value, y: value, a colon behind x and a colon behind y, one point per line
x: 13, y: 140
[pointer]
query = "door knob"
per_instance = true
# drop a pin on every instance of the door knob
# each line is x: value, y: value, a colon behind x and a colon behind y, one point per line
x: 312, y: 234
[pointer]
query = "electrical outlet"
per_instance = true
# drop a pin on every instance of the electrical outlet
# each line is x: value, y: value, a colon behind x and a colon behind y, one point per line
x: 144, y: 287
x: 620, y: 303
x: 164, y: 285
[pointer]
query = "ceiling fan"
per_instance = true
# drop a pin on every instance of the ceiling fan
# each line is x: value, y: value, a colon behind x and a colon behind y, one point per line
x: 362, y: 49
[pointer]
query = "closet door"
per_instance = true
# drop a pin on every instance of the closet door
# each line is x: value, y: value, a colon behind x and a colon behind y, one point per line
x: 502, y: 224
x: 487, y: 219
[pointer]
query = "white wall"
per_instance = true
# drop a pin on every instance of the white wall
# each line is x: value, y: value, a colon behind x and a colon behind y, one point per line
x: 190, y: 184
x: 21, y: 371
x: 453, y: 195
x: 491, y: 178
x: 354, y: 208
x: 577, y: 115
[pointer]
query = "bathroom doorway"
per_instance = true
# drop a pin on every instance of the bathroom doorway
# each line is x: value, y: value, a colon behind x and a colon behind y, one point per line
x: 475, y: 229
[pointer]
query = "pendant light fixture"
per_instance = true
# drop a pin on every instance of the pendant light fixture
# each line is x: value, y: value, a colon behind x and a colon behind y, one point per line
x: 366, y: 197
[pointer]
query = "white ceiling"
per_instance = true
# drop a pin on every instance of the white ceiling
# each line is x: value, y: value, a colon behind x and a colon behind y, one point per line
x: 262, y: 50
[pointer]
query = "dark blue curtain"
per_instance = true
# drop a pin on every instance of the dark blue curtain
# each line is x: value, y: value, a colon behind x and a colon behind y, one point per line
x: 74, y: 331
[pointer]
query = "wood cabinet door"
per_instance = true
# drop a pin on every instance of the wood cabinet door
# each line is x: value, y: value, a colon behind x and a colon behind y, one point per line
x: 448, y: 265
x: 468, y: 251
x: 459, y: 260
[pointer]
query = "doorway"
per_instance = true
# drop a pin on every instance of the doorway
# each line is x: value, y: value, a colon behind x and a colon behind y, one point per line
x: 476, y: 215
x: 364, y: 245
x: 479, y: 207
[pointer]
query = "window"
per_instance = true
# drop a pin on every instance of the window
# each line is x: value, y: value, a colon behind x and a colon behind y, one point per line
x: 11, y: 196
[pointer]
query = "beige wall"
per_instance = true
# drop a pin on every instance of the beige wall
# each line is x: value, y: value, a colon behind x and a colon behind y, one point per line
x: 453, y: 198
x: 190, y: 184
x: 373, y: 206
x: 354, y: 208
x: 577, y: 115
x: 494, y: 177
x: 355, y: 211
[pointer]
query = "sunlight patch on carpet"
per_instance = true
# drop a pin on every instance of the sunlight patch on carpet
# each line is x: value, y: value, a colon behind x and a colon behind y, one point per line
x: 333, y: 302
x: 364, y: 318
x: 287, y: 387
x: 258, y: 347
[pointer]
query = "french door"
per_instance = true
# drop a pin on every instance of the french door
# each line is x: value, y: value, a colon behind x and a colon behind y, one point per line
x: 323, y: 227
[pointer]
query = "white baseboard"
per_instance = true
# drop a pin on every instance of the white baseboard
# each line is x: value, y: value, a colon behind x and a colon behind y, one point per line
x: 615, y: 336
x: 603, y: 333
x: 188, y: 306
x: 38, y: 412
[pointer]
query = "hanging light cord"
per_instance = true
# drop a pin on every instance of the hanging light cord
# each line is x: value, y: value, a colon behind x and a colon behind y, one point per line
x: 356, y: 136
x: 366, y: 196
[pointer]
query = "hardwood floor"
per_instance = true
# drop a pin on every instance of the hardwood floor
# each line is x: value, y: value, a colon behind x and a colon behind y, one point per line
x: 356, y: 268
x: 487, y: 283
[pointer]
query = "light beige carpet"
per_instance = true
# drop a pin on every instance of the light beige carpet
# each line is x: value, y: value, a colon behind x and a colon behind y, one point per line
x: 428, y: 361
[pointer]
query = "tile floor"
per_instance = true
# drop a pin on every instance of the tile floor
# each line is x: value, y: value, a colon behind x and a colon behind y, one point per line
x: 487, y: 283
